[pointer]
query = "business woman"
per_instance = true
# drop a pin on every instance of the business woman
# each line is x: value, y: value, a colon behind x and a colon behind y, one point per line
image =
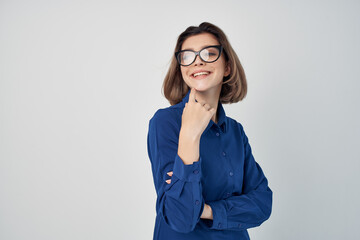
x: 208, y: 184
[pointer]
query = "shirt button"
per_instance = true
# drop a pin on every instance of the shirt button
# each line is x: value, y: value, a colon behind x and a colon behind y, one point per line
x: 196, y: 171
x: 219, y: 225
x: 231, y: 174
x: 217, y: 134
x: 223, y: 153
x: 197, y: 202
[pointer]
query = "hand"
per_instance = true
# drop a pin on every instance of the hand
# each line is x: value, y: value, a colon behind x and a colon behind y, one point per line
x: 196, y: 116
x: 207, y: 212
x: 169, y: 180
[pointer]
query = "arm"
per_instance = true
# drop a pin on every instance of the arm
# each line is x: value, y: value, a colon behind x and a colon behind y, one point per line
x: 180, y: 203
x: 252, y: 207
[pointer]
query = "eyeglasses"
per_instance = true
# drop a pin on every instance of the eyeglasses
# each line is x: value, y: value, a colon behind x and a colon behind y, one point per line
x: 208, y: 54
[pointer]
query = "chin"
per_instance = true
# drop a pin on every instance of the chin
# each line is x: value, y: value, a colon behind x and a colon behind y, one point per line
x: 204, y: 88
x: 200, y: 88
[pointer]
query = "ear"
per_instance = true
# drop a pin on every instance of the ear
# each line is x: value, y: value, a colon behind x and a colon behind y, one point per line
x: 227, y: 69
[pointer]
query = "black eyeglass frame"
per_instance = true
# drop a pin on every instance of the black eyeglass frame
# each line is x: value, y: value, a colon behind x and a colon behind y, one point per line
x: 177, y: 54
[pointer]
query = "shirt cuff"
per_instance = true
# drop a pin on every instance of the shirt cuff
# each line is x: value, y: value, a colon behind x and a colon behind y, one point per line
x: 188, y: 173
x: 219, y: 214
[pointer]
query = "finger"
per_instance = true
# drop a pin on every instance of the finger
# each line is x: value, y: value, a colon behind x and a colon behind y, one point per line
x: 206, y: 106
x: 168, y: 181
x: 170, y: 173
x: 202, y: 103
x: 192, y: 95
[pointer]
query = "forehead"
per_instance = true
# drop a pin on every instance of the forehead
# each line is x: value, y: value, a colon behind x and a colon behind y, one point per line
x: 199, y: 41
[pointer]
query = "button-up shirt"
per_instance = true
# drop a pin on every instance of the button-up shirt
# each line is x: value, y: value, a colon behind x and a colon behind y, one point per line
x: 226, y: 177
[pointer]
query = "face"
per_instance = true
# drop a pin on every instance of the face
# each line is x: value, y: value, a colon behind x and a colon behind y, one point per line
x: 215, y: 70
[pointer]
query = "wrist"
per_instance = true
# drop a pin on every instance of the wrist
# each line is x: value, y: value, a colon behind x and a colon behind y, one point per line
x: 189, y: 135
x: 188, y: 148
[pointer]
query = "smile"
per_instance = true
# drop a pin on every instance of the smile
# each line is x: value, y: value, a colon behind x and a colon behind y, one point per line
x: 200, y: 75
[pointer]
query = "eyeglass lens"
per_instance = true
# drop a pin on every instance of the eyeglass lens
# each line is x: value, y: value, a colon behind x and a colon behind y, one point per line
x: 209, y: 54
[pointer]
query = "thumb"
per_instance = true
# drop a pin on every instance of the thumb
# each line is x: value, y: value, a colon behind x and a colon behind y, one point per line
x: 192, y: 95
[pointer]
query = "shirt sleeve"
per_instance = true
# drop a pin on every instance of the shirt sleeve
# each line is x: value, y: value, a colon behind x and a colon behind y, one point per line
x: 252, y: 207
x: 180, y: 203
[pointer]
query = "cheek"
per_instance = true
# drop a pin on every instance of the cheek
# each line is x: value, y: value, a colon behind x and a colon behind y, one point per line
x: 221, y: 64
x: 220, y: 68
x: 184, y: 75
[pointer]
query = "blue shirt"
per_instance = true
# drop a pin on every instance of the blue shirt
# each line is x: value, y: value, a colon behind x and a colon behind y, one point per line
x: 226, y: 177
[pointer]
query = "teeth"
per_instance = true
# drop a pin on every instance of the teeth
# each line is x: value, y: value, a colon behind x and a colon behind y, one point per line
x: 200, y: 73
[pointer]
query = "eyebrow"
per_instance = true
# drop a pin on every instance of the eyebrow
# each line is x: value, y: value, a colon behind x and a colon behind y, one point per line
x: 204, y: 46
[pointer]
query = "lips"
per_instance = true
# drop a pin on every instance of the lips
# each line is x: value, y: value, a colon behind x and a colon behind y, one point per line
x: 200, y: 73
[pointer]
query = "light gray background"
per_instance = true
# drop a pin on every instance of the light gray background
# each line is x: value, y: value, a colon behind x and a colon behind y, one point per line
x: 79, y: 81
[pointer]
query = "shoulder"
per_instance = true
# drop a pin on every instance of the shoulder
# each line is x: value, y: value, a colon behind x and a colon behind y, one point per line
x: 165, y: 115
x: 237, y: 128
x: 234, y: 125
x: 165, y: 118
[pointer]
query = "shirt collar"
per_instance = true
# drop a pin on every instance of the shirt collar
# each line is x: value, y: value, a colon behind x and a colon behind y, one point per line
x: 221, y: 114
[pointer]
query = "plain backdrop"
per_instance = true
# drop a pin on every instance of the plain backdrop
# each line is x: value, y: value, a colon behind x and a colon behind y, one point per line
x: 80, y: 80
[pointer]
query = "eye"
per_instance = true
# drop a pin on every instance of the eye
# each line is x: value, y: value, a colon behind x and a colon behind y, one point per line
x: 186, y: 55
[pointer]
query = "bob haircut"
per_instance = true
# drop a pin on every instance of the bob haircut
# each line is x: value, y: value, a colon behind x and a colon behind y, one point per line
x: 234, y: 86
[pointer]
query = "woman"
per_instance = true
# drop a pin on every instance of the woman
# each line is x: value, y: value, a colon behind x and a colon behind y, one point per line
x: 208, y: 184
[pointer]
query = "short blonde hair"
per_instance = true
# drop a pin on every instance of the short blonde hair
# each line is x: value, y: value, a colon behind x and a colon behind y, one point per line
x: 234, y: 86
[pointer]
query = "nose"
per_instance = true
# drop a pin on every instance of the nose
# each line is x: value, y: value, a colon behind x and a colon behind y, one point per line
x: 198, y: 61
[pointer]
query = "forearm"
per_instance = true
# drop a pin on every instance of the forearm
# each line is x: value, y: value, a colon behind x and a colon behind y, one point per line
x: 188, y: 151
x: 188, y: 148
